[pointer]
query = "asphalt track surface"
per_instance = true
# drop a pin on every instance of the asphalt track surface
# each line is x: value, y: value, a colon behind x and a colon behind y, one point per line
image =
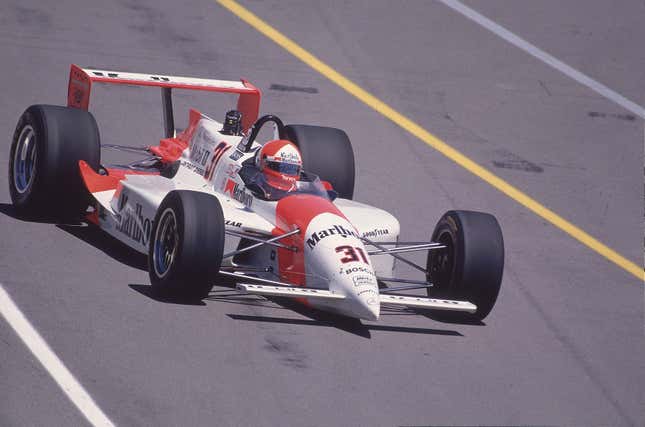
x: 565, y: 344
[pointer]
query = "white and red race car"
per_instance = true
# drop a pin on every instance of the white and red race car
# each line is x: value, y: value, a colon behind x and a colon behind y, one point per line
x: 198, y: 207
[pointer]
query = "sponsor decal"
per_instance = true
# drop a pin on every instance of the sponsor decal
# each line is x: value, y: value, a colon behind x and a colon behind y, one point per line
x: 78, y: 86
x: 203, y: 158
x: 370, y: 301
x: 199, y: 155
x: 78, y: 95
x: 127, y: 76
x: 232, y: 170
x: 237, y: 154
x: 336, y: 230
x: 219, y: 151
x: 159, y: 78
x: 376, y: 232
x: 101, y: 74
x: 357, y: 269
x: 351, y: 254
x: 193, y: 167
x: 289, y: 157
x: 229, y: 186
x: 236, y: 191
x: 134, y: 225
x: 80, y: 81
x: 232, y: 223
x: 203, y: 137
x: 362, y: 280
x: 287, y: 154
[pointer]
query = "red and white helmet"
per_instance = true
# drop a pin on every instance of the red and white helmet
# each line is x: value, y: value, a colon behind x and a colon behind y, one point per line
x: 280, y: 162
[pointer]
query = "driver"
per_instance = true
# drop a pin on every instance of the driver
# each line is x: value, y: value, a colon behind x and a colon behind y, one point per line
x: 280, y: 162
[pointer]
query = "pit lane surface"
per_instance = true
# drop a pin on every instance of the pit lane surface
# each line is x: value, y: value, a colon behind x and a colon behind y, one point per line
x: 564, y: 345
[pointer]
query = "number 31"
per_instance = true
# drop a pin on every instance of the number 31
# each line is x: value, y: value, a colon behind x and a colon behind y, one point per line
x: 349, y: 253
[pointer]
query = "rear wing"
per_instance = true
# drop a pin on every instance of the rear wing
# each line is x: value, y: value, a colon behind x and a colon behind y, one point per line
x: 81, y: 80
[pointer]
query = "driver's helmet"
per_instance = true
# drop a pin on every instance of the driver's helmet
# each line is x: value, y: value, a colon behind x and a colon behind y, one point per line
x: 280, y: 162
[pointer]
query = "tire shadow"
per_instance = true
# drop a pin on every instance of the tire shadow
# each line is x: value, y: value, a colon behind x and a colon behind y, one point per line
x: 107, y: 244
x: 147, y: 291
x: 347, y: 324
x: 450, y: 318
x: 89, y: 234
x: 9, y: 210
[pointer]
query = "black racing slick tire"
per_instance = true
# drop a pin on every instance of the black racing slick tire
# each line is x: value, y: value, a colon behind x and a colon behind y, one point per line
x: 186, y: 245
x: 472, y: 264
x: 326, y: 152
x: 44, y: 176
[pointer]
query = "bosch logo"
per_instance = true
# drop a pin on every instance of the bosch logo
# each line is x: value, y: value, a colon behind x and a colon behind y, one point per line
x: 358, y: 269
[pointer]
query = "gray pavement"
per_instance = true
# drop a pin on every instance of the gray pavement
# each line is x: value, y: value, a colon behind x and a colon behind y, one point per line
x: 564, y: 345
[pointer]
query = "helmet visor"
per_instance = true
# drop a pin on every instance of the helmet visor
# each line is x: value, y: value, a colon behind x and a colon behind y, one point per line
x: 284, y: 168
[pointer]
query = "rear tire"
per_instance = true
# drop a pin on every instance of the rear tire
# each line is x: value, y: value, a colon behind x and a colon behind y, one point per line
x: 186, y: 245
x: 44, y: 177
x: 326, y: 152
x: 471, y: 266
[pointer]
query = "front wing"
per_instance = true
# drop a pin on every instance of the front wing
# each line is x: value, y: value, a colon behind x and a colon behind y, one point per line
x: 398, y: 300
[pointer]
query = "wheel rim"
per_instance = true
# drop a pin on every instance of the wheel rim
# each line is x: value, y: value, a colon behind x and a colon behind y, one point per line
x: 442, y: 263
x: 166, y: 243
x: 24, y: 160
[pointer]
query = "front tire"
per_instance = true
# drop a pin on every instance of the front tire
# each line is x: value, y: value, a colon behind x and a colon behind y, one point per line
x: 44, y: 177
x: 326, y: 152
x: 471, y: 266
x: 186, y: 245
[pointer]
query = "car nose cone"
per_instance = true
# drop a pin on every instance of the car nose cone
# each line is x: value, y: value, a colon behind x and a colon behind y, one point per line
x: 368, y: 306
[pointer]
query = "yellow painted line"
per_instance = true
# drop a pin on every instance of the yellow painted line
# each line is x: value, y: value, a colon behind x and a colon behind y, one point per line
x: 434, y: 142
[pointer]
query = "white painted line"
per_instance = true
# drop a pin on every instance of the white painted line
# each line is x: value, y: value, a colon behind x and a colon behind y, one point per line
x: 52, y: 364
x: 545, y: 57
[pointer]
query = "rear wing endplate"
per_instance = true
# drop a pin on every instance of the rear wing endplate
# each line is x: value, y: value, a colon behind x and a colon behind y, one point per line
x: 81, y: 80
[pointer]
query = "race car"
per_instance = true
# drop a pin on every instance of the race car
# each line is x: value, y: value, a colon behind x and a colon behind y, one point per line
x: 278, y: 219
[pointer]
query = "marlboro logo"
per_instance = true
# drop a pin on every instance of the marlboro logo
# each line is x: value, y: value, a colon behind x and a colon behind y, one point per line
x: 336, y: 230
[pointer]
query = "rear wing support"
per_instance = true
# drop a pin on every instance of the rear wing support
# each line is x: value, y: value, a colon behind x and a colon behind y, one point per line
x: 168, y: 116
x: 81, y: 80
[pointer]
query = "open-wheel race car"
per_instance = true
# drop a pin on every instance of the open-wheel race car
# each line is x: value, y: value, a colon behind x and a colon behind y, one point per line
x: 276, y: 218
